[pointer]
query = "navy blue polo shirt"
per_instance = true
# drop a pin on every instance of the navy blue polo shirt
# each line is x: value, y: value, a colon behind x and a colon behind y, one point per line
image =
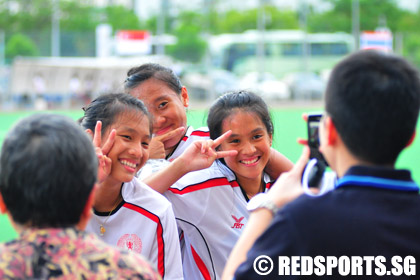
x: 372, y: 211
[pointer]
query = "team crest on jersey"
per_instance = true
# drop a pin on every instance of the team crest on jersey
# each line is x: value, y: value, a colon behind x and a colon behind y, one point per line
x: 130, y: 242
x: 237, y: 223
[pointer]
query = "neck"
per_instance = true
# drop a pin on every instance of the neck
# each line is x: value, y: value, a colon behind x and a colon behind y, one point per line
x: 107, y: 196
x: 251, y: 186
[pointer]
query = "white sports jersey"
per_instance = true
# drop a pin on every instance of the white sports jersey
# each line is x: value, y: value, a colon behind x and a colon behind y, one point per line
x: 154, y: 165
x: 210, y: 208
x: 144, y: 222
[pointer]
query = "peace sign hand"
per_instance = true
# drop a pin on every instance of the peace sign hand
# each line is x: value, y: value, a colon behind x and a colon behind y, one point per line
x: 104, y: 166
x: 202, y: 154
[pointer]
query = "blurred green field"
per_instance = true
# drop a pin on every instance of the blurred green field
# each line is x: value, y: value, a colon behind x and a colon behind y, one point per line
x: 288, y: 127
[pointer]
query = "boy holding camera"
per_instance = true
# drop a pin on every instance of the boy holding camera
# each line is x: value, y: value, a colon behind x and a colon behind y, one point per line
x: 368, y: 225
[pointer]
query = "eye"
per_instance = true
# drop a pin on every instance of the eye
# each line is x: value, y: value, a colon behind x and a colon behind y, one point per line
x: 258, y: 136
x: 145, y: 145
x: 126, y: 137
x: 162, y: 104
x: 234, y: 141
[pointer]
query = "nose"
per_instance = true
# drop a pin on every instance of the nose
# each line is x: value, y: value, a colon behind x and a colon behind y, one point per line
x: 136, y: 150
x: 159, y: 120
x: 248, y: 148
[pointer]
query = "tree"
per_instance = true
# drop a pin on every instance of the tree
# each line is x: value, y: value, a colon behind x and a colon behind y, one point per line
x: 372, y: 14
x: 190, y: 46
x: 121, y: 18
x: 20, y: 45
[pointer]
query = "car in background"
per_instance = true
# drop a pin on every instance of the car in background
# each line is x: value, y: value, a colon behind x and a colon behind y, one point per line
x: 266, y: 85
x: 305, y: 85
x: 208, y: 85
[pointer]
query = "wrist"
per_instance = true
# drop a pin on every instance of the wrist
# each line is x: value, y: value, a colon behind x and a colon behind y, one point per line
x: 181, y: 166
x: 262, y: 201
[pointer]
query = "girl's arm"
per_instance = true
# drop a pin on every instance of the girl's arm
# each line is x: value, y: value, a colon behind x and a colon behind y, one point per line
x: 199, y: 155
x: 277, y: 164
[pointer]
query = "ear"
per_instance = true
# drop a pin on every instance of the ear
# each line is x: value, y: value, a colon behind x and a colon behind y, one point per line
x: 90, y: 132
x: 184, y: 96
x: 3, y: 208
x: 271, y: 139
x: 411, y: 139
x: 87, y: 210
x: 331, y: 131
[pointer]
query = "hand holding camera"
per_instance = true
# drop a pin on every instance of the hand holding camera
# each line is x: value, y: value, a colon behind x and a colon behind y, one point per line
x: 314, y: 175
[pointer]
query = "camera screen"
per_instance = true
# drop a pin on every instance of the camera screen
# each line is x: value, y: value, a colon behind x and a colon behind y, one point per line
x: 313, y: 126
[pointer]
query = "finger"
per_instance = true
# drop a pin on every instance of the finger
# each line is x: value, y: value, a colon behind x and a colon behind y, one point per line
x: 302, y: 161
x: 305, y: 117
x: 221, y: 138
x: 170, y: 134
x: 302, y: 141
x: 97, y: 136
x: 109, y: 142
x: 205, y: 146
x: 223, y: 154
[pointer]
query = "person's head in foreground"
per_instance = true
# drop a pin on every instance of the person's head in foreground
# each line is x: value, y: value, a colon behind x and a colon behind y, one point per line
x: 48, y: 169
x: 372, y: 100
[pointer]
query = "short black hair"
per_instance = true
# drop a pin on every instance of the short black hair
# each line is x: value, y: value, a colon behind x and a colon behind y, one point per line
x: 106, y: 108
x: 224, y: 106
x: 373, y: 99
x: 48, y: 168
x: 142, y: 73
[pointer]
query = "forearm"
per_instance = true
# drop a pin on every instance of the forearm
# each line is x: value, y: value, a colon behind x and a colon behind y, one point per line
x: 161, y: 180
x: 277, y: 164
x: 258, y: 222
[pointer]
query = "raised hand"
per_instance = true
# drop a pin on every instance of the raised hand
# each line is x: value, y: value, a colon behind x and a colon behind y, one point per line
x: 157, y: 146
x: 202, y: 154
x: 104, y: 166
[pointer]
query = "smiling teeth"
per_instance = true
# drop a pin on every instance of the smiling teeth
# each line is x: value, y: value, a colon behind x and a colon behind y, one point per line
x: 129, y: 164
x: 249, y: 161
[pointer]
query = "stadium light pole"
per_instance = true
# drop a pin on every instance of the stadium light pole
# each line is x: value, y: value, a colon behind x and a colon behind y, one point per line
x: 304, y: 26
x: 261, y: 42
x: 355, y: 12
x: 160, y: 47
x: 55, y: 28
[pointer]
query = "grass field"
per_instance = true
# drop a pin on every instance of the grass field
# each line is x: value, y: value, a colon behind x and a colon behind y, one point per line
x: 288, y: 127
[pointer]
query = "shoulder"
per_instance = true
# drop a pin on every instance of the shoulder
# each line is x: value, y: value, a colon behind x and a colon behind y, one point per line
x: 199, y: 133
x: 210, y: 177
x: 138, y: 193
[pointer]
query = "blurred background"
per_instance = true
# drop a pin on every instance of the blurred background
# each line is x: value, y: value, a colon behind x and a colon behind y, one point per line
x: 63, y: 53
x: 60, y: 54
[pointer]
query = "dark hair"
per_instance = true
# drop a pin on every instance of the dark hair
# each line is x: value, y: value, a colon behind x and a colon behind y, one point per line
x: 48, y: 168
x: 106, y: 108
x: 225, y: 105
x: 374, y: 99
x: 138, y: 75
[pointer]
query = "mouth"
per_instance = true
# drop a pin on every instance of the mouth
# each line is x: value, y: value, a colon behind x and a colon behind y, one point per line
x: 250, y: 162
x: 163, y: 130
x: 130, y: 166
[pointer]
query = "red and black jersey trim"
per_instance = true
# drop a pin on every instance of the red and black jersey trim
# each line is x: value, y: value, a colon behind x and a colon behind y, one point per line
x: 159, y: 234
x: 211, y: 183
x: 198, y: 133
